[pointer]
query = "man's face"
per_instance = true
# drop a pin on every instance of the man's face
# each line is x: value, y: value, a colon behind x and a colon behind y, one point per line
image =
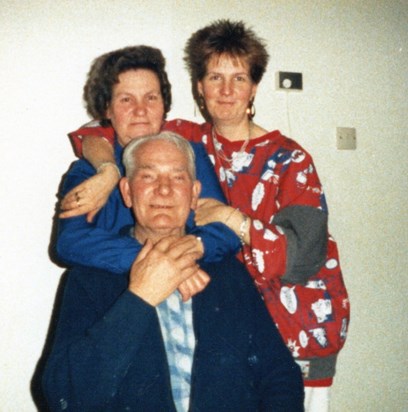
x: 137, y: 107
x: 161, y: 191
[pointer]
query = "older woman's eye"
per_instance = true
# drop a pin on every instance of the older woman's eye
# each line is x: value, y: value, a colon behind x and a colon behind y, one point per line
x: 152, y: 97
x: 125, y: 99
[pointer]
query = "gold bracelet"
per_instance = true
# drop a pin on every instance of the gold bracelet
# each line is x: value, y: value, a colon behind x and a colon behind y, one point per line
x: 242, y: 229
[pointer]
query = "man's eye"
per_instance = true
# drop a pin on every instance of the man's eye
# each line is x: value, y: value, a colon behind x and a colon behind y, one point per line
x: 180, y: 178
x: 125, y: 100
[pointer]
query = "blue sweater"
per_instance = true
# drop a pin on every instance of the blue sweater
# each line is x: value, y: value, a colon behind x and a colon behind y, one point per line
x: 109, y: 355
x: 101, y: 244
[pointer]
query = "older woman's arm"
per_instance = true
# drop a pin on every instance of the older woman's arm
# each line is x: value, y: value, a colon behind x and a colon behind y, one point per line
x: 91, y: 195
x: 99, y: 244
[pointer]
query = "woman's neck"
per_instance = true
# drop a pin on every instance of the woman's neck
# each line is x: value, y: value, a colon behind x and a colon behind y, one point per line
x: 233, y: 132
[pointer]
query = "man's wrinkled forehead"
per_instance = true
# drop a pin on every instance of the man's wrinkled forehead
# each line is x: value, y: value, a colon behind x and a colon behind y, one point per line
x: 141, y: 166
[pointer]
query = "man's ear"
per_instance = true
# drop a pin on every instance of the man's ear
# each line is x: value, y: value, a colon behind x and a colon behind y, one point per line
x: 125, y: 190
x: 108, y: 113
x: 196, y: 194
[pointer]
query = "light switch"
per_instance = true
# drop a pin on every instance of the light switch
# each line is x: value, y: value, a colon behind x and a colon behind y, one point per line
x: 346, y: 138
x: 289, y: 81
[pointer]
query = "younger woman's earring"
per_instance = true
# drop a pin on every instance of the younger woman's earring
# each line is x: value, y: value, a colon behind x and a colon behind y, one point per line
x: 201, y: 102
x: 251, y: 109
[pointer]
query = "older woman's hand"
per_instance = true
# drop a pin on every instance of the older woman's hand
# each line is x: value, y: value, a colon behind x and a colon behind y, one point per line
x: 90, y: 196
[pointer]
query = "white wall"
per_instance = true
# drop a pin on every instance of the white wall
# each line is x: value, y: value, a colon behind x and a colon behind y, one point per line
x: 354, y: 58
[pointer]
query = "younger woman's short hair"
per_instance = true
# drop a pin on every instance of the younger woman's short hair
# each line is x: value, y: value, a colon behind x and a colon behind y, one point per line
x: 225, y: 37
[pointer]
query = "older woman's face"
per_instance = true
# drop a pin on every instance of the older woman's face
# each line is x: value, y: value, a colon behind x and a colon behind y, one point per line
x: 227, y: 88
x: 136, y: 108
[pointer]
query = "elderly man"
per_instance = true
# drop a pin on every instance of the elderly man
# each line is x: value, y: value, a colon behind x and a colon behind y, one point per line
x: 129, y: 343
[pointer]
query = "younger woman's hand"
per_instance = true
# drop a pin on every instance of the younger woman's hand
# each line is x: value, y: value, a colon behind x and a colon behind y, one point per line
x: 210, y: 210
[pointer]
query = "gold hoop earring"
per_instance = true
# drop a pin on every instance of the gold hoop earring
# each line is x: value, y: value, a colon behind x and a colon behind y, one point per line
x: 201, y: 102
x: 251, y: 109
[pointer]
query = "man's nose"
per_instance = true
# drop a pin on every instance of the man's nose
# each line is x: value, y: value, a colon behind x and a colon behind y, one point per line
x: 164, y: 185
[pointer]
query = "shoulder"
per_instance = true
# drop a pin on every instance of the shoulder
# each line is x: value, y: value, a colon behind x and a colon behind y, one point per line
x: 286, y: 143
x: 92, y: 277
x: 98, y: 285
x: 190, y: 130
x: 230, y: 276
x: 81, y: 166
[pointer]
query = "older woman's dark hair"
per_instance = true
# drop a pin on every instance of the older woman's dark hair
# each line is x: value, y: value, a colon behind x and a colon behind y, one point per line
x: 231, y: 38
x: 105, y: 71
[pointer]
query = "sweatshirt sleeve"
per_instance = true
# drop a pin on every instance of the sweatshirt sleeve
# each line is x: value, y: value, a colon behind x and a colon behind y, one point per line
x: 292, y: 242
x: 92, y: 128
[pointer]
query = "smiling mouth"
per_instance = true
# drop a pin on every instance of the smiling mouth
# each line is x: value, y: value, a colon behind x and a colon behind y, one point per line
x: 161, y: 207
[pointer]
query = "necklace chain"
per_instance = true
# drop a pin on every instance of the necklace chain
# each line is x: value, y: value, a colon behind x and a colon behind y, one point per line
x: 220, y: 152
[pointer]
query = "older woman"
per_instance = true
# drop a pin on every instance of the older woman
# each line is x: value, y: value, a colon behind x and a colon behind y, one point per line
x: 277, y: 206
x: 129, y: 89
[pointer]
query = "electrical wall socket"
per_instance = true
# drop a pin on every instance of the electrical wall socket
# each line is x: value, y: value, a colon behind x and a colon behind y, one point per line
x: 289, y: 81
x: 346, y: 138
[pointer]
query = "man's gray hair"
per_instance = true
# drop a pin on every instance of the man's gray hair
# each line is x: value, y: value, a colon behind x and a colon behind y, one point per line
x: 129, y: 155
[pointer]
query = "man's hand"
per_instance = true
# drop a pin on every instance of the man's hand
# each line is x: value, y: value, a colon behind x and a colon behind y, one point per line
x: 161, y: 268
x: 193, y: 285
x: 90, y: 196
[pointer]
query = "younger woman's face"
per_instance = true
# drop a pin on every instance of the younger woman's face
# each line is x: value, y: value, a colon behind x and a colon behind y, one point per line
x: 227, y: 88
